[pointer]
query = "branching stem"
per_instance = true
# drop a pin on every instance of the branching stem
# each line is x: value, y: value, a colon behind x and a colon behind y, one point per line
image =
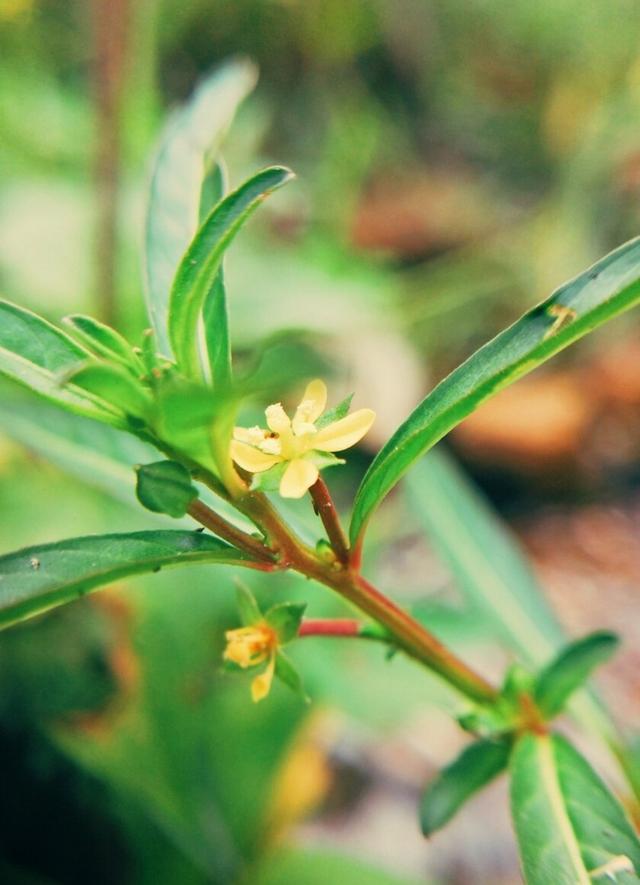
x: 408, y: 634
x: 228, y: 532
x: 326, y: 510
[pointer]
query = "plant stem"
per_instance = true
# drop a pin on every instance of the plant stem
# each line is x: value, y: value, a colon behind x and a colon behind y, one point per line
x: 326, y: 510
x: 411, y: 636
x: 407, y: 633
x: 219, y: 526
x: 330, y: 627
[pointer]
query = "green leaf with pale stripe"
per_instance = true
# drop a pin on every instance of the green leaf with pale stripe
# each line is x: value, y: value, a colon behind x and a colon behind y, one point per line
x: 38, y: 578
x: 570, y: 828
x: 199, y: 267
x: 187, y: 148
x: 483, y: 557
x: 489, y: 568
x: 606, y: 289
x: 35, y: 353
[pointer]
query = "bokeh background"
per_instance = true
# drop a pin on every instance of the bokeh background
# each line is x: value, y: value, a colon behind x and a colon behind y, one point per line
x: 457, y: 160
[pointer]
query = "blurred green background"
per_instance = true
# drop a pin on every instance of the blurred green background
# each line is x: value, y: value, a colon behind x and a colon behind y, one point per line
x: 456, y: 161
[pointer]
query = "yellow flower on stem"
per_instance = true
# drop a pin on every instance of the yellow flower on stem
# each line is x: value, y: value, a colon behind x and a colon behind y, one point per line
x: 301, y: 445
x: 251, y: 646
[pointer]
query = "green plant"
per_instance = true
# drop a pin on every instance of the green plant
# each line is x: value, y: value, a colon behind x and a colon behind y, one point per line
x: 176, y: 392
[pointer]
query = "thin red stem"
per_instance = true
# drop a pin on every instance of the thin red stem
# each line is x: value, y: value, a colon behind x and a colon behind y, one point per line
x: 326, y: 510
x: 329, y: 627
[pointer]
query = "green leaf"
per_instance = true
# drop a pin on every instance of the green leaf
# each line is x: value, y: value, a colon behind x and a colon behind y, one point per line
x: 198, y: 269
x: 305, y: 866
x: 489, y: 568
x: 103, y: 341
x: 214, y: 187
x: 474, y: 768
x: 216, y: 331
x: 215, y: 312
x: 287, y: 673
x: 188, y: 145
x: 165, y: 487
x: 34, y: 353
x: 99, y: 455
x: 571, y: 668
x: 606, y: 289
x: 285, y: 618
x: 483, y: 557
x: 335, y: 414
x: 567, y: 822
x: 37, y: 341
x: 248, y: 608
x: 114, y: 385
x: 38, y: 578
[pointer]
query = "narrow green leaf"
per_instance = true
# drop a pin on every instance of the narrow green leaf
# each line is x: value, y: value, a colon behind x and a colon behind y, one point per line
x: 37, y: 341
x: 483, y: 557
x: 199, y: 267
x: 285, y: 618
x: 165, y: 487
x: 567, y: 822
x: 474, y: 768
x: 34, y: 353
x: 216, y: 331
x: 491, y: 571
x: 571, y: 668
x: 214, y: 187
x: 103, y: 341
x: 99, y: 455
x: 215, y: 313
x: 114, y: 385
x: 606, y: 289
x: 288, y: 674
x: 188, y: 145
x: 38, y: 578
x: 248, y: 608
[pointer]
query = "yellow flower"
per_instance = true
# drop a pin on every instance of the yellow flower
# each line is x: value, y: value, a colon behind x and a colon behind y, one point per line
x: 298, y: 443
x: 251, y: 646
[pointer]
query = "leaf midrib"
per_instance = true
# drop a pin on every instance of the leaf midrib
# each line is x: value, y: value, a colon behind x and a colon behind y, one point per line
x: 549, y: 774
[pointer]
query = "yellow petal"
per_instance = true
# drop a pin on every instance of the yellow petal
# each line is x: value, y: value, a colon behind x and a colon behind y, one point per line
x: 345, y: 432
x: 297, y: 478
x: 252, y: 435
x: 261, y: 685
x: 312, y: 404
x: 277, y: 418
x: 252, y: 459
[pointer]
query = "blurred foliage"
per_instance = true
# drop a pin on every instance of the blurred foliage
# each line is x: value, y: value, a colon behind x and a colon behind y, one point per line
x: 456, y: 160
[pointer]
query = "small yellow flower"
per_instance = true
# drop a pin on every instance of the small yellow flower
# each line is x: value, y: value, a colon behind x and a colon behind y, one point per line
x: 251, y: 646
x: 298, y: 443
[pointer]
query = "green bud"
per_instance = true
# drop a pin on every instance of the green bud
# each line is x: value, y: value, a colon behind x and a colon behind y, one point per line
x: 165, y: 487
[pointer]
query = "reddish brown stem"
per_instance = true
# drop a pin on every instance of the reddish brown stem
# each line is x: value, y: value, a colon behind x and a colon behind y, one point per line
x: 407, y: 633
x: 329, y: 627
x: 326, y: 510
x: 228, y: 532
